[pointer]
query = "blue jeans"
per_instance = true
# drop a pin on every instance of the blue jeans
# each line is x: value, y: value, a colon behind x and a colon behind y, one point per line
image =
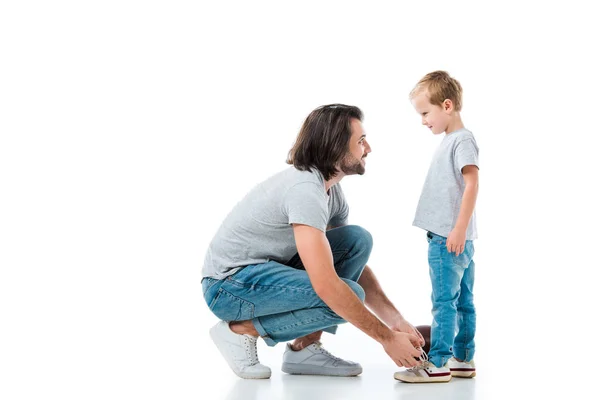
x: 279, y: 298
x: 452, y: 279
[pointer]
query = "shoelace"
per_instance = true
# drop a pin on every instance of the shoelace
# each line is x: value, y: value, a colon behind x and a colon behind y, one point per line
x: 319, y: 347
x: 424, y: 361
x: 250, y: 346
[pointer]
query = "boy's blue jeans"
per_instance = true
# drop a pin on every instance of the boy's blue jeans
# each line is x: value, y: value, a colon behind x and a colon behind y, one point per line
x: 279, y: 298
x: 452, y: 279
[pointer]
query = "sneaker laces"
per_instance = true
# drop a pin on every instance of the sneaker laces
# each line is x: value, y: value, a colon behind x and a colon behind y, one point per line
x: 424, y: 361
x: 250, y: 347
x: 319, y: 346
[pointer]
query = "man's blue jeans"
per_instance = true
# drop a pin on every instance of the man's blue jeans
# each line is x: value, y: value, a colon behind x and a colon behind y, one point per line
x: 279, y: 298
x: 452, y: 279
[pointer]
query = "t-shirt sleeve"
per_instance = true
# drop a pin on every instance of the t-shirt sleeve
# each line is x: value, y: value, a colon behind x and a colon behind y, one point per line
x: 306, y: 203
x: 466, y: 153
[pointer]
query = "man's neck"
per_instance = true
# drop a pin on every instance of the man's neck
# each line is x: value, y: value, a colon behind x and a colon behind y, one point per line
x: 334, y: 180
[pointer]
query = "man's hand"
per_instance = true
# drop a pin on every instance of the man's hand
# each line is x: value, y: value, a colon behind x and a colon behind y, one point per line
x: 402, y: 348
x: 456, y: 241
x: 402, y: 325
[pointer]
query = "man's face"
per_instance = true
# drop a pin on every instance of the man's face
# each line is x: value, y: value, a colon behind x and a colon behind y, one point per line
x: 432, y: 116
x: 353, y: 162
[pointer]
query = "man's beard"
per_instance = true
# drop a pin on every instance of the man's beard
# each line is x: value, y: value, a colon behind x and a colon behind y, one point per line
x: 352, y: 166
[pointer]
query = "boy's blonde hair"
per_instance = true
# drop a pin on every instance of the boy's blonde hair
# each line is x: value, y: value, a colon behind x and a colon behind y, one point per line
x: 440, y: 86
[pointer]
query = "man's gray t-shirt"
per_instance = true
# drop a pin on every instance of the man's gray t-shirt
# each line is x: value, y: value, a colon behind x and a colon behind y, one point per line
x: 259, y: 229
x: 442, y: 194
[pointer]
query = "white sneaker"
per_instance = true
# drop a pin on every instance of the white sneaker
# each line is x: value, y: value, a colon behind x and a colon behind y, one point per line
x: 462, y: 369
x: 239, y: 351
x: 315, y: 360
x: 424, y: 373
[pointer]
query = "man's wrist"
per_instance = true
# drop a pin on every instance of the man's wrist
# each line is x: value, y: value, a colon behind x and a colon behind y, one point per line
x: 395, y: 319
x: 384, y: 334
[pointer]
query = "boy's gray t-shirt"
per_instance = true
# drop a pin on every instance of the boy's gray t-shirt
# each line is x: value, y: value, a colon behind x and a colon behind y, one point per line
x: 442, y: 193
x: 259, y: 229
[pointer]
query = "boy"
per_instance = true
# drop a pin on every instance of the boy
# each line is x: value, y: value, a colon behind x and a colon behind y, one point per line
x: 446, y: 211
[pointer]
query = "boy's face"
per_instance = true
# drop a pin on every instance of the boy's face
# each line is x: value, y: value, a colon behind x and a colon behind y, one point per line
x: 432, y: 116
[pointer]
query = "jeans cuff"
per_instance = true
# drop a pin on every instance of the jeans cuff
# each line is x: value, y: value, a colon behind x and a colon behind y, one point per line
x: 464, y: 354
x: 263, y: 334
x: 331, y: 329
x: 439, y: 361
x: 271, y: 342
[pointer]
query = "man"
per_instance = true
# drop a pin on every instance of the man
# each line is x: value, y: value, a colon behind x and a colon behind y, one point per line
x: 284, y: 265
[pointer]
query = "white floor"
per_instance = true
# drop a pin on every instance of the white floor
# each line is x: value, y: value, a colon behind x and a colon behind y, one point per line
x: 500, y: 375
x: 378, y: 383
x: 374, y: 383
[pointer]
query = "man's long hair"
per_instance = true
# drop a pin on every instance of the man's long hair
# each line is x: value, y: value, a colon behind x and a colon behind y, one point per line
x: 324, y: 139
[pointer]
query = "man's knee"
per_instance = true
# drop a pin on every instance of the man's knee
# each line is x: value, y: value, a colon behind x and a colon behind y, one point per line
x: 361, y: 237
x: 356, y: 288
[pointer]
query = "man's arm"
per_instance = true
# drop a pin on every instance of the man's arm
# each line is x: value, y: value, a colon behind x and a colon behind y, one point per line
x: 317, y: 259
x: 380, y: 304
x: 456, y: 239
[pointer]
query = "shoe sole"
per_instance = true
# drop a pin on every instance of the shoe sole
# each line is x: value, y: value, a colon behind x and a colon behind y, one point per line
x: 233, y: 368
x: 441, y: 379
x: 463, y: 374
x: 299, y: 369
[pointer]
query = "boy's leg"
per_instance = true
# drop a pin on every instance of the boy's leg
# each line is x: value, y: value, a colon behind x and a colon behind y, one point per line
x: 464, y: 343
x: 446, y: 271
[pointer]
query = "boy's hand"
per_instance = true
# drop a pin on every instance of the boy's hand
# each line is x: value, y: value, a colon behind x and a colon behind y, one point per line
x: 456, y: 241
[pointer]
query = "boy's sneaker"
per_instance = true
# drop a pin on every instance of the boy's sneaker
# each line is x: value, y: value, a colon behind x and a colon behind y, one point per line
x: 462, y: 369
x: 239, y: 351
x: 315, y: 360
x: 424, y: 373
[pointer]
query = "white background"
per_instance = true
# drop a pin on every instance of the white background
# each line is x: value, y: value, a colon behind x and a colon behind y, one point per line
x: 129, y: 129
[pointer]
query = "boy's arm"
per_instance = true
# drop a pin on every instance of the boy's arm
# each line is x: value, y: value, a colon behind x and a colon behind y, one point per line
x: 456, y: 240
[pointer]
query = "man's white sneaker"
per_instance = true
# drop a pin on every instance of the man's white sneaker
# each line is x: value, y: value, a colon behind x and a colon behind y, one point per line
x: 239, y: 351
x: 462, y: 369
x: 315, y: 360
x: 424, y: 373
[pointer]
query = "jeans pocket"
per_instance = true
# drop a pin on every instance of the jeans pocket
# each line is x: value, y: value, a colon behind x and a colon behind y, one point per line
x: 209, y: 289
x: 207, y: 283
x: 228, y: 307
x: 464, y: 259
x: 461, y: 260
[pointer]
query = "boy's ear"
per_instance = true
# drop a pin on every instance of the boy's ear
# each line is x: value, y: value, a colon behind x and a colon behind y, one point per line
x: 447, y: 105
